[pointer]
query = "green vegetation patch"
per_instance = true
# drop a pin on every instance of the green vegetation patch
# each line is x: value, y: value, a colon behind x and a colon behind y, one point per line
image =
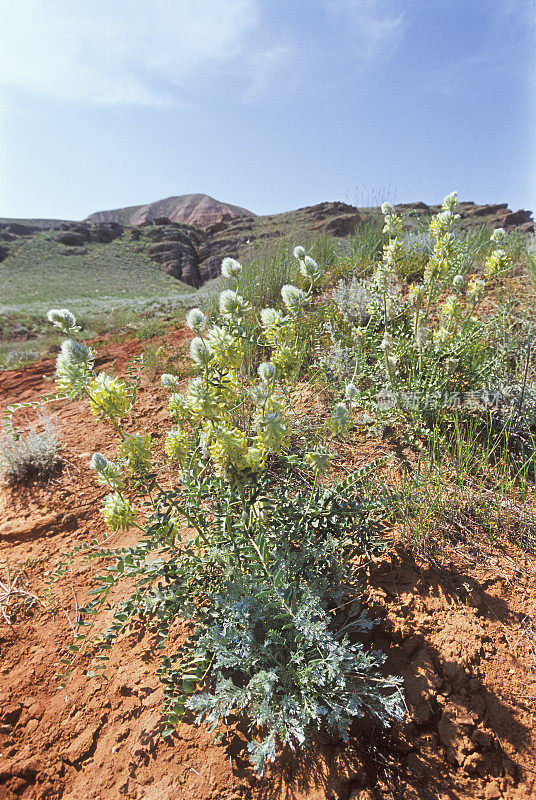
x: 90, y: 278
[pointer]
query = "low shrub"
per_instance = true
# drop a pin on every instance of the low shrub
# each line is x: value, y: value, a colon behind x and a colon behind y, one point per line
x: 32, y: 454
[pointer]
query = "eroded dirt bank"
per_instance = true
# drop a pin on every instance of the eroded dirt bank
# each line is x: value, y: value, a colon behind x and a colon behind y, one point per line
x: 459, y: 631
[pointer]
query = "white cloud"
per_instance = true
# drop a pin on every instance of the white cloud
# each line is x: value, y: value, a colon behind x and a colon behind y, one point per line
x: 119, y: 51
x: 371, y: 23
x: 265, y: 65
x: 152, y: 52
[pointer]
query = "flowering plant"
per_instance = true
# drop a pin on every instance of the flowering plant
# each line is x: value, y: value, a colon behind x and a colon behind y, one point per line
x: 264, y: 566
x: 423, y: 337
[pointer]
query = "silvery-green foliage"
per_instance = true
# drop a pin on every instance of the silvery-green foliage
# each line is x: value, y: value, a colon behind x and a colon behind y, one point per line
x: 297, y: 667
x: 308, y: 678
x: 353, y: 299
x: 418, y: 244
x: 339, y: 360
x: 33, y: 454
x: 518, y: 401
x: 275, y: 602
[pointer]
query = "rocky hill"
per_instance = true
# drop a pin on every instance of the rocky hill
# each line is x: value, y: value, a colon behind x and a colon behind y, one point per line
x: 188, y: 236
x: 190, y: 209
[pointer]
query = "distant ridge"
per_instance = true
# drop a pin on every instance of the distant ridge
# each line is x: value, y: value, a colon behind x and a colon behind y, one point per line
x: 189, y: 209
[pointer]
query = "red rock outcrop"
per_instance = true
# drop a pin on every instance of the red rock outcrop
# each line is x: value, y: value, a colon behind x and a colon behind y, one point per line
x: 190, y: 209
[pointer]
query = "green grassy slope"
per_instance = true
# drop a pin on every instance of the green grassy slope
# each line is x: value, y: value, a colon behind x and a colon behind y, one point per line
x: 38, y: 223
x: 39, y: 273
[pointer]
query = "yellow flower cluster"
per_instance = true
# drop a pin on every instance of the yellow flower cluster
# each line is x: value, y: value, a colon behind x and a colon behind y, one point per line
x: 135, y: 452
x: 108, y: 397
x: 272, y: 429
x: 287, y: 358
x: 227, y: 349
x: 210, y: 398
x: 319, y: 459
x: 176, y: 444
x: 452, y: 309
x: 118, y: 512
x: 228, y: 447
x: 496, y: 263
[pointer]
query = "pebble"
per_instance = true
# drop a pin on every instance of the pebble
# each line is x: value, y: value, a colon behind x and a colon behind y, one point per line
x: 32, y: 725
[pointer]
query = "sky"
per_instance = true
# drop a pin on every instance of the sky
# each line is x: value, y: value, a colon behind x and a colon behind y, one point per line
x: 266, y: 104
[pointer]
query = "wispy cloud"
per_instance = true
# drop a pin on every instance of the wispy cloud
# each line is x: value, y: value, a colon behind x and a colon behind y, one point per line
x: 149, y: 52
x: 266, y: 65
x: 121, y: 52
x: 373, y: 25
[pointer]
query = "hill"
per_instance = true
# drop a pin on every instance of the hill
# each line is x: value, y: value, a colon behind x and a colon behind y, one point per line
x: 190, y: 209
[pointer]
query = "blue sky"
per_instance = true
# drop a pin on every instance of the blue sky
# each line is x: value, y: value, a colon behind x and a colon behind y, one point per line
x: 268, y: 104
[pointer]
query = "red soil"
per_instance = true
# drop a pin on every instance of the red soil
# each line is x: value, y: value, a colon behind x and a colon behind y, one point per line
x: 459, y: 633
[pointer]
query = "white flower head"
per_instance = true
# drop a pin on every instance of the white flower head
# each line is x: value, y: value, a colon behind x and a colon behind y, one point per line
x: 260, y: 394
x: 200, y: 351
x: 196, y: 320
x: 232, y: 304
x: 340, y: 410
x: 74, y: 365
x: 393, y: 361
x: 450, y: 202
x: 74, y: 352
x: 293, y: 297
x: 458, y: 282
x: 62, y: 318
x: 231, y: 268
x: 108, y: 472
x: 98, y: 462
x: 269, y: 317
x: 170, y: 381
x: 351, y: 393
x: 421, y: 337
x: 499, y: 236
x: 299, y: 252
x: 266, y: 371
x: 310, y: 269
x: 387, y: 208
x: 387, y: 343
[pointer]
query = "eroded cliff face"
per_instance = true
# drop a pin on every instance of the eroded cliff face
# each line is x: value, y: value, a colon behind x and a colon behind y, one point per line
x: 189, y: 236
x: 188, y: 209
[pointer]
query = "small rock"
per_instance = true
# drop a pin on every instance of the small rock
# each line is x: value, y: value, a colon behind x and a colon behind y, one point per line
x: 32, y: 725
x: 416, y: 766
x: 81, y: 745
x: 452, y: 736
x: 155, y: 698
x: 411, y: 644
x: 18, y: 785
x: 10, y: 713
x: 483, y: 739
x: 36, y: 710
x: 492, y: 791
x: 27, y: 769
